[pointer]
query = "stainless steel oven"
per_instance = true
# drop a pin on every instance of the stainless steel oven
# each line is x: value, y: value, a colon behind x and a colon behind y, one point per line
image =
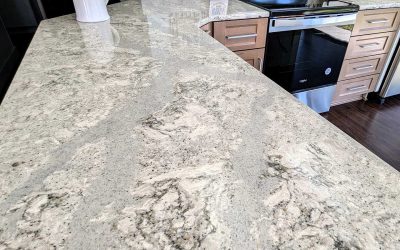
x: 304, y: 55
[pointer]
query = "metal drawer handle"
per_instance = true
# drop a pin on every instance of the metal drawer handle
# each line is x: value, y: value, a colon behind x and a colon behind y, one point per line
x: 356, y: 88
x: 375, y: 21
x: 241, y: 36
x: 261, y: 64
x: 364, y: 67
x: 368, y: 45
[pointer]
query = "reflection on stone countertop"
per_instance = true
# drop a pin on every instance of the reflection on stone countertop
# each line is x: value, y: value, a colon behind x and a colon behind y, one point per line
x: 146, y: 133
x: 376, y: 4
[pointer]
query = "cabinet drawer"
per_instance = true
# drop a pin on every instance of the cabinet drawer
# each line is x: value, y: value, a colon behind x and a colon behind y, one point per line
x: 369, y: 45
x: 208, y: 28
x: 255, y: 57
x: 376, y: 21
x: 351, y: 90
x: 362, y: 67
x: 242, y: 34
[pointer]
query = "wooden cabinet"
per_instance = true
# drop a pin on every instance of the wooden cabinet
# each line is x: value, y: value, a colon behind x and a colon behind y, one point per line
x: 362, y: 67
x: 368, y: 45
x: 9, y: 60
x: 255, y: 57
x: 208, y: 28
x: 242, y: 34
x: 60, y: 7
x: 246, y: 38
x: 353, y: 89
x: 371, y: 40
x: 376, y: 21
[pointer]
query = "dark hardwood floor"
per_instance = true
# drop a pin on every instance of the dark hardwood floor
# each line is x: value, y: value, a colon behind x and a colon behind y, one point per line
x: 375, y: 126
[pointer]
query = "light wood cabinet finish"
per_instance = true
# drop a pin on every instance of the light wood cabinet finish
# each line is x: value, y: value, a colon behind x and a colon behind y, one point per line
x: 242, y: 34
x: 208, y: 28
x: 377, y: 21
x: 371, y: 40
x: 360, y: 46
x: 353, y: 89
x: 255, y: 57
x: 362, y: 67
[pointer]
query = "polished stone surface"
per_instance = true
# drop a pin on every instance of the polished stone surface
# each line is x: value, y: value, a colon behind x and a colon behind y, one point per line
x: 376, y: 4
x: 146, y: 133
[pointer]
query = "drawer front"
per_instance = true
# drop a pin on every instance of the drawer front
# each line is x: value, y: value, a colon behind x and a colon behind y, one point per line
x: 360, y: 46
x: 351, y: 90
x: 242, y: 34
x: 376, y: 21
x: 362, y: 67
x: 208, y: 28
x: 254, y: 57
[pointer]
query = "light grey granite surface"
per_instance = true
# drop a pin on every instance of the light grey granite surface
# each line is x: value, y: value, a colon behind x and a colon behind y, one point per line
x: 149, y: 134
x: 375, y: 4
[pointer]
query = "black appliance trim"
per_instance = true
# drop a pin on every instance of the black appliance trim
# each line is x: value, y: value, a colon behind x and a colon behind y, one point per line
x: 304, y: 11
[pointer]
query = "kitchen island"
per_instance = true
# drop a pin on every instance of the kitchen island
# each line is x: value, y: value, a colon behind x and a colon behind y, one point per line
x: 146, y: 133
x: 375, y: 4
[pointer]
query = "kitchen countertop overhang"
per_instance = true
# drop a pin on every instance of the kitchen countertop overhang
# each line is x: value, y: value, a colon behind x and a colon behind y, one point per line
x: 147, y: 133
x: 375, y: 4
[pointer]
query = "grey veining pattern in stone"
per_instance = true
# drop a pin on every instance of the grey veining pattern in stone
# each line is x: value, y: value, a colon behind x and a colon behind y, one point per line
x: 376, y: 4
x: 146, y: 133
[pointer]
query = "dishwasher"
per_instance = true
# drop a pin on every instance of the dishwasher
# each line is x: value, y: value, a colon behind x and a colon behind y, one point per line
x: 391, y: 82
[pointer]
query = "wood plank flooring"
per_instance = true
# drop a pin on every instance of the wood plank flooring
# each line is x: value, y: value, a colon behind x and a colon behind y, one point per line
x: 375, y: 126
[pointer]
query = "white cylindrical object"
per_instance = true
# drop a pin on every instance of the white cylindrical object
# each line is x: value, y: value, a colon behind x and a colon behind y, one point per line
x: 89, y: 11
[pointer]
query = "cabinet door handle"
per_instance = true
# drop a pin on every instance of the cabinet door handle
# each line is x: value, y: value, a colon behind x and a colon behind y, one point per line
x: 356, y: 88
x: 368, y: 45
x: 364, y: 67
x: 375, y: 21
x: 261, y: 64
x: 241, y: 36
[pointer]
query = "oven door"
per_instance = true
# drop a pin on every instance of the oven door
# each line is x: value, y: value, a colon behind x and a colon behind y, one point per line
x: 307, y: 53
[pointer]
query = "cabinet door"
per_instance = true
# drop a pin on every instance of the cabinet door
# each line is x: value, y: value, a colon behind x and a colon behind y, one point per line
x: 255, y: 57
x: 62, y: 7
x: 353, y: 89
x: 368, y: 45
x: 5, y: 44
x: 363, y: 66
x: 242, y: 34
x: 377, y: 21
x: 208, y: 28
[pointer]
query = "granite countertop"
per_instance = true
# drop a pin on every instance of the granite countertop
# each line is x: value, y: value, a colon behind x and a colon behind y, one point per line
x: 376, y: 4
x: 146, y: 133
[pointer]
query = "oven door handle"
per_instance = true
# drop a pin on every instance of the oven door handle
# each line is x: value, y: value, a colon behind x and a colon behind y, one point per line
x: 301, y: 23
